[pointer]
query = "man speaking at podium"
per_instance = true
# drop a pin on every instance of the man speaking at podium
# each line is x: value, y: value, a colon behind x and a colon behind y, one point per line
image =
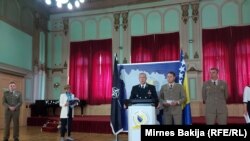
x: 144, y: 90
x: 141, y: 113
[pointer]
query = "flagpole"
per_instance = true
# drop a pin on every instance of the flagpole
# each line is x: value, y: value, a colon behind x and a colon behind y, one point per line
x: 116, y: 137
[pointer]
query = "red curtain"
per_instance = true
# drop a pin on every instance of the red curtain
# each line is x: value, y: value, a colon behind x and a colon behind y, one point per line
x: 90, y: 72
x: 101, y: 78
x: 154, y: 48
x: 228, y: 49
x: 79, y: 71
x: 241, y: 52
x: 168, y: 47
x: 215, y: 54
x: 142, y: 49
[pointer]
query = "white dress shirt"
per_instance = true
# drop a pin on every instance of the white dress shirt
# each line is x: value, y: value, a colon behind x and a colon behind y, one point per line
x: 246, y: 94
x: 216, y: 81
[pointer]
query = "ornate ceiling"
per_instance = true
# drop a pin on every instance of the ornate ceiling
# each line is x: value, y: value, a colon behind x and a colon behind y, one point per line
x: 92, y: 5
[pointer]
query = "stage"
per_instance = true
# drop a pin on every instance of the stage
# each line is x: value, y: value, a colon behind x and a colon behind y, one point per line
x: 88, y: 124
x: 101, y: 124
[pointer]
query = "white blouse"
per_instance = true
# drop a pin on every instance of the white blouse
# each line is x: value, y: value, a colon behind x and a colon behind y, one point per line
x: 64, y: 109
x: 246, y: 94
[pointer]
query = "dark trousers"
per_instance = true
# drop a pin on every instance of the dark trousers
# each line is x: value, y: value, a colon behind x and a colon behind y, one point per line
x: 14, y: 116
x: 248, y: 108
x: 66, y: 126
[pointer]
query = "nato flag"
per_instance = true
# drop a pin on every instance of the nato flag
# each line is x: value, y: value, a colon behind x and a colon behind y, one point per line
x: 116, y: 123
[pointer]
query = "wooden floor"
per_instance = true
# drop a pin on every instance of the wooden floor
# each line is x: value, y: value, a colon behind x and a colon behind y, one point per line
x: 35, y: 134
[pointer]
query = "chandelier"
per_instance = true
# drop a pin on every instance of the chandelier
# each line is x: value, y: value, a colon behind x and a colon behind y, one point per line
x: 62, y: 3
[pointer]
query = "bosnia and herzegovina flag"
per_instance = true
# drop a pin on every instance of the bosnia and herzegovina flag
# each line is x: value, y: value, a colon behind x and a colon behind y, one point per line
x: 187, y: 116
x: 183, y: 79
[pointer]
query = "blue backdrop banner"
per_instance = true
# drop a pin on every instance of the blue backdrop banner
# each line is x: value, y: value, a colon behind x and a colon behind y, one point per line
x: 156, y: 75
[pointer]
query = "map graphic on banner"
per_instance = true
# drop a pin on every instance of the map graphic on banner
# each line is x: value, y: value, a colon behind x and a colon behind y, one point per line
x: 156, y: 75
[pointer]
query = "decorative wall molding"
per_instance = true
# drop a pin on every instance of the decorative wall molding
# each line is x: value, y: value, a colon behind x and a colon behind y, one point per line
x: 53, y: 70
x: 117, y: 24
x: 196, y: 55
x: 186, y: 56
x: 219, y: 7
x: 184, y: 8
x: 40, y: 22
x: 6, y: 68
x: 193, y: 66
x: 125, y: 20
x: 57, y: 25
x: 132, y: 7
x: 66, y: 25
x: 116, y: 21
x: 195, y: 11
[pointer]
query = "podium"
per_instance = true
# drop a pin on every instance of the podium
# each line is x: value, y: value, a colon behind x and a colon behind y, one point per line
x: 140, y: 112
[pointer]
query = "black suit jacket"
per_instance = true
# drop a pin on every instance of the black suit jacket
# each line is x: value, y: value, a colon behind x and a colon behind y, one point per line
x: 149, y: 92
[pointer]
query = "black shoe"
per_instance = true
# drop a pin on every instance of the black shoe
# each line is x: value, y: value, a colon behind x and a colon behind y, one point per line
x: 5, y: 140
x: 16, y: 139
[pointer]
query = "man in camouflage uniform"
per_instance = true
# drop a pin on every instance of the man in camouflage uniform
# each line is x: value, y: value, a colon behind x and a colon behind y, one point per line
x: 12, y: 101
x: 214, y: 94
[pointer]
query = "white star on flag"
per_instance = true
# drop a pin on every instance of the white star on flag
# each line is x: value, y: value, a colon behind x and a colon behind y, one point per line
x: 183, y: 62
x: 182, y: 69
x: 181, y: 75
x: 180, y: 81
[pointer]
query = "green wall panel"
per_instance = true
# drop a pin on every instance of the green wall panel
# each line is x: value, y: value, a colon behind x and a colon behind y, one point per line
x: 76, y: 31
x: 137, y: 24
x: 154, y: 22
x: 15, y: 47
x: 90, y: 30
x: 28, y: 90
x: 1, y: 7
x: 42, y: 80
x: 105, y: 28
x: 57, y: 51
x: 49, y: 51
x: 42, y: 48
x: 56, y: 91
x: 192, y: 88
x: 230, y: 14
x: 246, y: 11
x: 210, y: 16
x: 171, y: 21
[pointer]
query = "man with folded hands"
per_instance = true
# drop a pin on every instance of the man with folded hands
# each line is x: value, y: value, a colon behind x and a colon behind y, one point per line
x: 172, y: 96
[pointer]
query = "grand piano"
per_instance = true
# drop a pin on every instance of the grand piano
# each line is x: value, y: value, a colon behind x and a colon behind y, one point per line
x: 42, y: 107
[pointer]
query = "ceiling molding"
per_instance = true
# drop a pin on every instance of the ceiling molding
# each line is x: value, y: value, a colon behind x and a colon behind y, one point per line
x: 93, y: 5
x: 132, y: 7
x: 105, y: 4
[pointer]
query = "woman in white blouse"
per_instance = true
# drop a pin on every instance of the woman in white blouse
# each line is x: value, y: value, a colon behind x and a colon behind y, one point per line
x: 246, y: 100
x: 67, y: 113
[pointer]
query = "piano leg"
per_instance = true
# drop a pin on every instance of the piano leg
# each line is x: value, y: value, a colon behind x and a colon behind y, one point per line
x: 54, y: 110
x: 82, y: 110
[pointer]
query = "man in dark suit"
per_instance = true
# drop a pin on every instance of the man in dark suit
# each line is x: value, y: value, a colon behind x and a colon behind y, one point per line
x: 144, y: 90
